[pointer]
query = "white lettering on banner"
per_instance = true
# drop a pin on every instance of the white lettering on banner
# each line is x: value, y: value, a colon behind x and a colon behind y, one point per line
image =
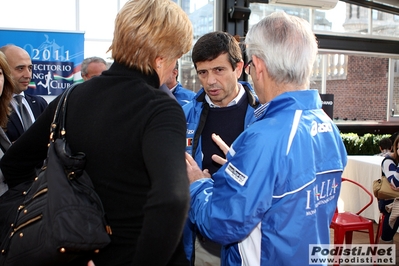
x: 57, y: 85
x: 45, y: 54
x: 236, y: 174
x: 328, y: 102
x: 38, y: 75
x: 51, y: 67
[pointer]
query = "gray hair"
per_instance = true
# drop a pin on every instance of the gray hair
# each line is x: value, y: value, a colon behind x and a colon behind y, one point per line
x: 87, y: 61
x: 286, y: 44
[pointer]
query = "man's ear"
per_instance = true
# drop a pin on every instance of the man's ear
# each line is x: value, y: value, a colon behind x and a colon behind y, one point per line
x: 258, y: 66
x: 239, y: 69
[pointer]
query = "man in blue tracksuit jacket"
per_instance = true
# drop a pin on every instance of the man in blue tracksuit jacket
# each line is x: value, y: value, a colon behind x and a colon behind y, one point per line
x: 224, y: 106
x: 182, y: 95
x: 196, y: 118
x: 277, y: 190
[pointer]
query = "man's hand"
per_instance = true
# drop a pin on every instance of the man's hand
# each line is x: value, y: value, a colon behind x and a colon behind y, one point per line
x: 193, y: 171
x: 223, y: 146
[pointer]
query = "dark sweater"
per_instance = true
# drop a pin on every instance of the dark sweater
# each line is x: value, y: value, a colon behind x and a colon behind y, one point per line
x: 228, y: 123
x: 133, y: 136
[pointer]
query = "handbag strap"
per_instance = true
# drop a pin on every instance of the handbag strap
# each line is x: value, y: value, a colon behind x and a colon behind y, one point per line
x: 4, y: 141
x: 58, y: 125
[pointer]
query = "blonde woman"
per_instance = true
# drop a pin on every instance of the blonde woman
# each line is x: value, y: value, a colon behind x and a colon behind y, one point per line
x: 133, y: 135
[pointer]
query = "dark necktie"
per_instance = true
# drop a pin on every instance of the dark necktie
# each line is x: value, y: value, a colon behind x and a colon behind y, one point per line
x: 26, y: 120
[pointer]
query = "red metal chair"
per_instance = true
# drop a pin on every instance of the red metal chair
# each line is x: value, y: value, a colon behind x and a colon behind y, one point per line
x: 345, y: 223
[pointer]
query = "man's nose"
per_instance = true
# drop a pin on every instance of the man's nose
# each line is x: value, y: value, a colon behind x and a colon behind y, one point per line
x: 211, y: 79
x: 27, y: 73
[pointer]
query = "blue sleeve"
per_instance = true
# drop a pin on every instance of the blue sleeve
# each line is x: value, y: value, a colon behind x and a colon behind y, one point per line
x: 227, y: 208
x: 391, y: 171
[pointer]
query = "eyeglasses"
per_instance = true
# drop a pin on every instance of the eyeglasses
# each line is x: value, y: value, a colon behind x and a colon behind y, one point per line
x: 247, y: 68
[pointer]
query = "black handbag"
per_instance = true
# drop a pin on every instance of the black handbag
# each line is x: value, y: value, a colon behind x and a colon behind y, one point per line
x: 61, y: 217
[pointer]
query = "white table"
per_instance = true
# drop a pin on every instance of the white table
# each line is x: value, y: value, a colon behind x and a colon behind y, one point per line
x: 363, y: 169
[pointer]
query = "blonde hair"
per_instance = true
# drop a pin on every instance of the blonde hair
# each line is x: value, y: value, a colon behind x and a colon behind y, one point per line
x: 145, y: 30
x: 7, y: 93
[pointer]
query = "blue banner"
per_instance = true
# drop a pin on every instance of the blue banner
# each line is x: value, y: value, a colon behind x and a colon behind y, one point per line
x: 56, y: 58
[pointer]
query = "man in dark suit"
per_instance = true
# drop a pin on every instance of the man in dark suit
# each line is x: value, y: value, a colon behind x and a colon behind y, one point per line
x: 26, y: 108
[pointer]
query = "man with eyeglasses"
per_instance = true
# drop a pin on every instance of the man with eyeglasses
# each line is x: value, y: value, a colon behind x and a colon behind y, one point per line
x: 223, y: 106
x: 277, y: 191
